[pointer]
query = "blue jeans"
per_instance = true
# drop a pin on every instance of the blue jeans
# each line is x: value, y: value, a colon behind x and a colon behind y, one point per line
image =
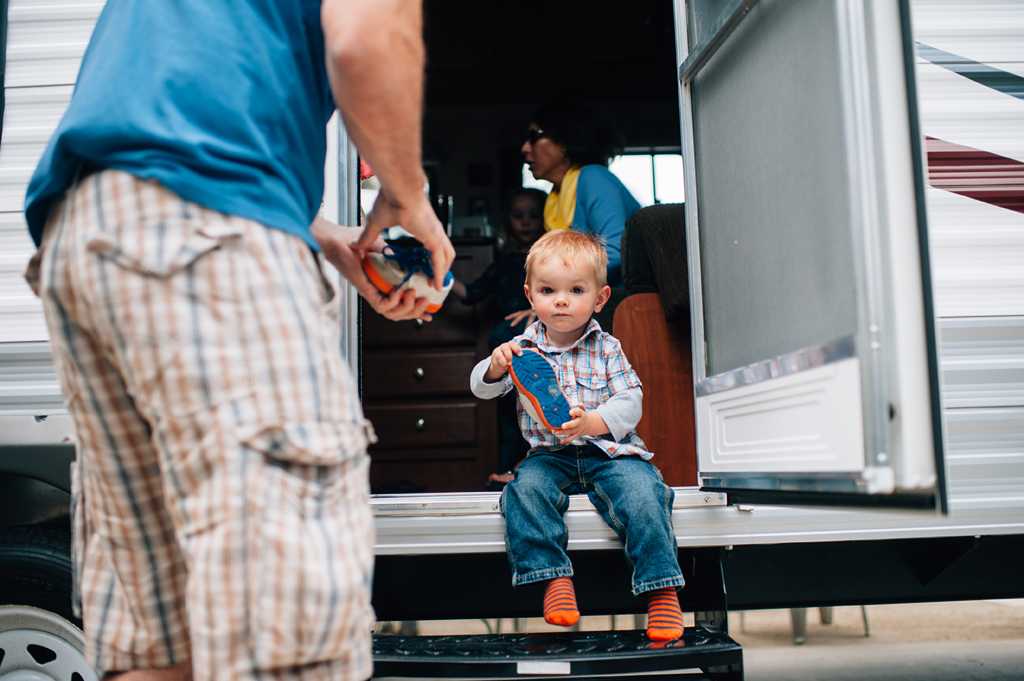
x: 629, y: 494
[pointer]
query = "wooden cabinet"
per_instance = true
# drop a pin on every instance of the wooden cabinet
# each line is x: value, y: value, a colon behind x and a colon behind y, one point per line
x: 415, y: 389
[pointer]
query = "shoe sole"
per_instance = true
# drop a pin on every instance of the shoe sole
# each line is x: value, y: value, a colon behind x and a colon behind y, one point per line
x: 386, y: 276
x: 539, y: 392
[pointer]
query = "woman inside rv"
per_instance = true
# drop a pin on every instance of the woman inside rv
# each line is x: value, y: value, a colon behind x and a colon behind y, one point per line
x: 569, y: 145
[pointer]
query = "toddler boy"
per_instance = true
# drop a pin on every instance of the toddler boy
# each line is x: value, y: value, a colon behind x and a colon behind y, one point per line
x: 596, y: 450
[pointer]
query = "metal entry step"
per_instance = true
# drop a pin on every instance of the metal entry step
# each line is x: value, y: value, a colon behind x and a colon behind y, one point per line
x: 701, y: 653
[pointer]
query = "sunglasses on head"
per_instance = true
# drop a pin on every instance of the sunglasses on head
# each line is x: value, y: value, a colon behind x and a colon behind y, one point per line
x: 534, y: 134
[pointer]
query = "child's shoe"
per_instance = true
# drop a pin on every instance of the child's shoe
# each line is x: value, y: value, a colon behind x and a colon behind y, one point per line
x: 539, y: 392
x: 406, y: 268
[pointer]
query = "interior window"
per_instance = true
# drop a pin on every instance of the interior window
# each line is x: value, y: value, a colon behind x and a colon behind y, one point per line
x: 650, y: 177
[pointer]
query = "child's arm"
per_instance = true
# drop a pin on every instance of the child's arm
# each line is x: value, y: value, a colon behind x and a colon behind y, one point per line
x: 622, y: 412
x: 616, y: 417
x: 501, y: 359
x: 486, y: 380
x: 582, y: 423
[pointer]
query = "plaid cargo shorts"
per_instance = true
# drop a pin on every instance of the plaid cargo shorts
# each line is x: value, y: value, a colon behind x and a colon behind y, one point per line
x: 220, y: 490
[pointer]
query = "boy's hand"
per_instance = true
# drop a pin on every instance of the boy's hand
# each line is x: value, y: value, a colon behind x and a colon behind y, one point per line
x: 501, y: 358
x: 582, y: 423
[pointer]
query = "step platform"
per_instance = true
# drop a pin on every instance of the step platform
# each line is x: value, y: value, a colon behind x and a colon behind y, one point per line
x: 701, y: 653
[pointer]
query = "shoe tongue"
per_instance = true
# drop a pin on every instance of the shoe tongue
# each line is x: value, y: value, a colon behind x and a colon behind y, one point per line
x: 411, y: 260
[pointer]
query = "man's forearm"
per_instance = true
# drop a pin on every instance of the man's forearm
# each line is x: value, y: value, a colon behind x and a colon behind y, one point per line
x: 375, y: 57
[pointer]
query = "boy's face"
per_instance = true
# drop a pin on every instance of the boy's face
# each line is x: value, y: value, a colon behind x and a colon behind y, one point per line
x: 564, y: 296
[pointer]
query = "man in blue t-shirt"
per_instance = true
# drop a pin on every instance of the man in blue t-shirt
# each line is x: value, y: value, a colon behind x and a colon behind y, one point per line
x: 221, y: 522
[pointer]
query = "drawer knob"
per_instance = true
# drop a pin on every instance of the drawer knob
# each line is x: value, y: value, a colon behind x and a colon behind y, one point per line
x: 418, y: 323
x: 420, y: 425
x: 419, y: 373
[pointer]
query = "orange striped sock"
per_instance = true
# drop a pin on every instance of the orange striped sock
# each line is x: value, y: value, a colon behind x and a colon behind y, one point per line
x: 664, y: 617
x: 560, y: 603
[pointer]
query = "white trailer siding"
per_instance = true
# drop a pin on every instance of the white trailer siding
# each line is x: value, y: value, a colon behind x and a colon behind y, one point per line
x: 45, y: 44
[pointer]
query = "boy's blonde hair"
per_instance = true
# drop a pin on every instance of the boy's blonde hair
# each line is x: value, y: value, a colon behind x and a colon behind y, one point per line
x: 570, y: 247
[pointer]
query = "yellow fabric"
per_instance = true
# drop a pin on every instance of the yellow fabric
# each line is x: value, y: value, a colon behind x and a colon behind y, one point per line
x: 561, y: 205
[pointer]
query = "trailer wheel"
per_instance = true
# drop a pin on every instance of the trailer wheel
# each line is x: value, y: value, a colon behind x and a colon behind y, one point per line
x: 39, y: 636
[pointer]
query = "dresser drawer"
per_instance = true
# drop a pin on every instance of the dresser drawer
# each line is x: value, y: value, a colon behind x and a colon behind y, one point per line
x: 417, y: 373
x: 447, y: 423
x: 453, y: 324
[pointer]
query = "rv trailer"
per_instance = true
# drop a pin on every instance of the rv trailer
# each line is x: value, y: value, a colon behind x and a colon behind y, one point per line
x: 854, y: 182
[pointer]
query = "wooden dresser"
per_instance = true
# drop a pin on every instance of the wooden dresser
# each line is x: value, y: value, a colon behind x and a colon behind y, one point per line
x: 432, y: 431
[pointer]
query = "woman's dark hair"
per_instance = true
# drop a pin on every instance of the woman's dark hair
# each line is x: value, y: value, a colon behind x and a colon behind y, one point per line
x: 588, y: 135
x: 508, y: 236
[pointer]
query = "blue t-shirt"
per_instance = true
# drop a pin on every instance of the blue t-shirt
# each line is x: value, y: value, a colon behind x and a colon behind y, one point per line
x: 224, y: 102
x: 603, y: 204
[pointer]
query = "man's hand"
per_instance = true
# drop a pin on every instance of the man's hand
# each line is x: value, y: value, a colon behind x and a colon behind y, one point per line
x: 582, y: 423
x: 420, y: 221
x: 501, y: 358
x: 335, y: 241
x: 516, y: 317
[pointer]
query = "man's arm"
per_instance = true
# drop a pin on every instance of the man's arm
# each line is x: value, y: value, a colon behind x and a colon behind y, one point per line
x: 375, y: 58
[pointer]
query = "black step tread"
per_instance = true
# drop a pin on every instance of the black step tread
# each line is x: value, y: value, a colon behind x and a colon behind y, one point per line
x: 600, y: 652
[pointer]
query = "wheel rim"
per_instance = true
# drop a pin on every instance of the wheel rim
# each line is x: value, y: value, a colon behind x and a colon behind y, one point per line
x: 38, y: 645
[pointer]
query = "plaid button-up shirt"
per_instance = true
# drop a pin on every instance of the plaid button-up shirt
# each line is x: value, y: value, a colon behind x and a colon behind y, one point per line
x: 590, y: 372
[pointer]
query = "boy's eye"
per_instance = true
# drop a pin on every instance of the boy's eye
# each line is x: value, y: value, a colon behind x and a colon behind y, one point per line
x: 577, y: 289
x: 547, y: 289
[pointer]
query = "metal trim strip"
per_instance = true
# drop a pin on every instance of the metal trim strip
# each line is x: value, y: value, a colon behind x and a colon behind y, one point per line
x: 723, y: 27
x: 692, y: 213
x: 789, y: 363
x: 488, y: 503
x: 918, y: 155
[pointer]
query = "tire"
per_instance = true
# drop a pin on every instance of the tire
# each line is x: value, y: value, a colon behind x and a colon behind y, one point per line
x: 35, y: 569
x: 39, y: 635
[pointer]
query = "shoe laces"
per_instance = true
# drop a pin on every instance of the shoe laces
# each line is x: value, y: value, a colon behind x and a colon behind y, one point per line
x: 411, y: 261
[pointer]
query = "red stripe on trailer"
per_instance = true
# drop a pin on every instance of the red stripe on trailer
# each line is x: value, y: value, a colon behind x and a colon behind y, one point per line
x: 976, y: 174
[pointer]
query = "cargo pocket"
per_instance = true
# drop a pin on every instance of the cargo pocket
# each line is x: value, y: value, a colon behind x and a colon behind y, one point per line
x: 310, y: 542
x: 161, y: 248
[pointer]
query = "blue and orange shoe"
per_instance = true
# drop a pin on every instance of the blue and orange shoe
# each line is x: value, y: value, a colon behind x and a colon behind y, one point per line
x: 539, y: 392
x: 406, y: 268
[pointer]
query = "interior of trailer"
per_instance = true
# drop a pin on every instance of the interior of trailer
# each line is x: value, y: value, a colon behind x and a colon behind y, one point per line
x: 489, y: 66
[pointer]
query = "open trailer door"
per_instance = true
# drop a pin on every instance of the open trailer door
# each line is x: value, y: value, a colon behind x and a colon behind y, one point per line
x: 817, y: 379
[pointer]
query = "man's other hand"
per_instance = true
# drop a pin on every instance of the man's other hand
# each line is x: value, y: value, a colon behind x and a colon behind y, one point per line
x: 336, y: 243
x: 420, y: 221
